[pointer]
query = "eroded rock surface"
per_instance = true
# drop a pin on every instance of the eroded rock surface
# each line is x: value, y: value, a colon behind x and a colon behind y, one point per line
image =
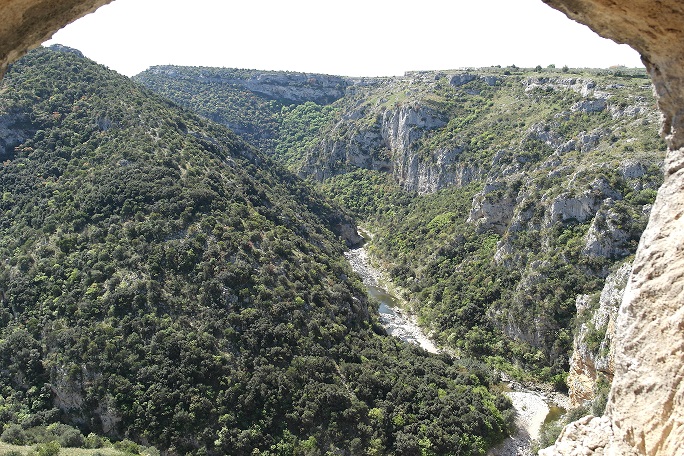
x: 645, y: 413
x: 589, y: 436
x: 593, y: 354
x: 27, y: 23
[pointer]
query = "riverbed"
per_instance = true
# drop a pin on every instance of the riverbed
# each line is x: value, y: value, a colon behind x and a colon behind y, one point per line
x: 396, y: 321
x: 532, y: 407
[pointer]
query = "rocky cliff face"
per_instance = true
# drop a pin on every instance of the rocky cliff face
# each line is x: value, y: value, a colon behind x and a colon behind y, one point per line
x: 593, y: 359
x: 386, y: 143
x: 432, y: 130
x: 12, y: 133
x: 645, y: 415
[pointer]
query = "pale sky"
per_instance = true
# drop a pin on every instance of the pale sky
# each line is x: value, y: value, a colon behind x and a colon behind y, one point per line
x: 346, y: 37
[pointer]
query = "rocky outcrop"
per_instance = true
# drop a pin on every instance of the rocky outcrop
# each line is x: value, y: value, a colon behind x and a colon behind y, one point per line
x: 570, y: 206
x: 493, y: 208
x: 12, y: 133
x: 593, y: 347
x: 346, y: 229
x: 645, y: 412
x: 69, y: 397
x: 387, y: 144
x: 400, y: 128
x: 27, y: 23
x: 458, y: 80
x: 607, y: 237
x: 589, y: 436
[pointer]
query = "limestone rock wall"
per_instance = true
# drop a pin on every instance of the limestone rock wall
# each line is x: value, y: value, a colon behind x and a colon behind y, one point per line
x: 24, y: 24
x: 593, y: 354
x: 645, y: 413
x: 386, y: 144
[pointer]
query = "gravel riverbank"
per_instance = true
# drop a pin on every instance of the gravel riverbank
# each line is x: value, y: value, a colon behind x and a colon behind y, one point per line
x: 395, y: 321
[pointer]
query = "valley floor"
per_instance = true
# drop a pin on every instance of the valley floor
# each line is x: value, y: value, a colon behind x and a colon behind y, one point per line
x: 395, y: 320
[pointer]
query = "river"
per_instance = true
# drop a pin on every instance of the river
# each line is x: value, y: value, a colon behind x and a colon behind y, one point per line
x: 396, y: 322
x: 532, y: 407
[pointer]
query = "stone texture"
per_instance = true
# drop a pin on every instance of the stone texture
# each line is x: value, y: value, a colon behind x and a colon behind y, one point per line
x: 589, y: 436
x: 492, y: 208
x: 24, y: 24
x: 586, y: 364
x: 606, y: 238
x: 385, y: 144
x: 646, y: 402
x: 645, y: 413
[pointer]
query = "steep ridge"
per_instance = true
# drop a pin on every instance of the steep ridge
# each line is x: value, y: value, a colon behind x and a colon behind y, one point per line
x: 163, y: 281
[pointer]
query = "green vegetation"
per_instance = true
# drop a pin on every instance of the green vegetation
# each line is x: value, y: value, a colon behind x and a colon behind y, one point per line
x: 163, y: 282
x: 58, y: 438
x: 254, y: 104
x: 550, y: 430
x: 299, y: 128
x: 365, y: 192
x: 35, y: 450
x: 528, y: 143
x: 253, y: 117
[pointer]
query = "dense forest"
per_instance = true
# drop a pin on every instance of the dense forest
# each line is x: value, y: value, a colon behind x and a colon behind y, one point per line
x: 163, y: 283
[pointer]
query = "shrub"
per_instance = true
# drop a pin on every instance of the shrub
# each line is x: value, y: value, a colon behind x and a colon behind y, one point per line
x: 72, y: 438
x: 93, y: 441
x: 127, y: 446
x: 48, y: 449
x: 14, y: 434
x: 548, y: 434
x: 152, y: 451
x: 576, y: 413
x: 598, y: 406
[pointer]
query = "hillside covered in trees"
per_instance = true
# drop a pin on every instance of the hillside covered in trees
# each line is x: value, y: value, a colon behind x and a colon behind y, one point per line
x: 164, y: 282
